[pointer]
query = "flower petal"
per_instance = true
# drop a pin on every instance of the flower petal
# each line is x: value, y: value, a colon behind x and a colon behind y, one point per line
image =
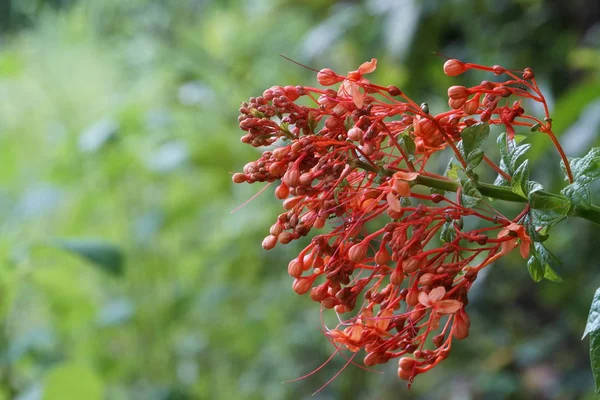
x: 368, y: 67
x: 437, y: 294
x: 447, y: 306
x: 424, y: 299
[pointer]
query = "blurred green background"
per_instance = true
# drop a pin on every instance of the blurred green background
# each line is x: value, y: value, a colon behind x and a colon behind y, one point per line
x: 125, y: 276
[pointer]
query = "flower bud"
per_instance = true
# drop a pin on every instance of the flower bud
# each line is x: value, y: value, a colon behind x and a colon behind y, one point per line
x: 239, y: 178
x: 358, y: 252
x: 458, y: 92
x: 328, y: 77
x: 412, y: 298
x: 269, y: 242
x: 282, y: 191
x: 355, y: 134
x: 397, y: 277
x: 303, y: 284
x: 411, y: 265
x: 454, y: 67
x: 407, y: 363
x: 292, y: 202
x: 276, y: 229
x: 285, y: 237
x: 295, y: 268
x: 455, y: 104
x: 292, y: 177
x: 471, y: 106
x: 382, y: 257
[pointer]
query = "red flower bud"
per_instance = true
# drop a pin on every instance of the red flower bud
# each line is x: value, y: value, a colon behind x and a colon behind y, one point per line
x: 269, y: 242
x: 358, y: 252
x: 355, y: 134
x: 458, y: 92
x: 282, y: 191
x: 328, y: 77
x: 303, y: 284
x: 239, y: 177
x: 454, y: 67
x: 295, y: 268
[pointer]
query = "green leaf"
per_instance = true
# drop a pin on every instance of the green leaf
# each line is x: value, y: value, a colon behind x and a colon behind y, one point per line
x: 536, y: 270
x: 541, y: 260
x: 585, y: 171
x: 72, y: 381
x: 474, y: 159
x: 407, y: 144
x: 593, y: 322
x: 102, y: 254
x: 474, y: 136
x: 448, y: 232
x: 548, y: 209
x: 520, y: 179
x: 510, y: 153
x: 593, y: 328
x: 470, y: 196
x: 595, y: 358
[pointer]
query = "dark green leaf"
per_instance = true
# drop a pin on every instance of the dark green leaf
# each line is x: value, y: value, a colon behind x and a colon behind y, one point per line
x: 595, y: 358
x: 474, y: 136
x: 520, y: 179
x: 541, y: 260
x: 474, y: 159
x: 548, y: 209
x: 510, y: 153
x: 536, y: 270
x: 102, y: 254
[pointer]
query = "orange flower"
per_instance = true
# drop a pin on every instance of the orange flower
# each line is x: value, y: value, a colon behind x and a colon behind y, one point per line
x: 521, y: 235
x: 434, y: 300
x: 355, y: 81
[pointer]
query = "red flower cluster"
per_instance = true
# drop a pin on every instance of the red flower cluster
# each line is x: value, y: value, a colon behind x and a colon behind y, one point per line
x: 355, y: 155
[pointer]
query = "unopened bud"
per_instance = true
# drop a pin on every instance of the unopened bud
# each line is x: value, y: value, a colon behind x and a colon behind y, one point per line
x: 328, y: 77
x: 269, y: 242
x: 358, y: 252
x: 454, y: 67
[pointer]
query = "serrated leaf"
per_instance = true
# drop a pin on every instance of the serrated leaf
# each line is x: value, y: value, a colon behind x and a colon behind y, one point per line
x: 474, y: 136
x: 585, y: 171
x: 587, y: 168
x: 100, y: 253
x: 595, y: 358
x: 593, y: 322
x: 470, y: 196
x: 520, y: 179
x: 510, y: 153
x: 548, y: 209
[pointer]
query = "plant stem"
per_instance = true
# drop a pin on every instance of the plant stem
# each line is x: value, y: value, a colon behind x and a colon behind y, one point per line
x: 590, y: 213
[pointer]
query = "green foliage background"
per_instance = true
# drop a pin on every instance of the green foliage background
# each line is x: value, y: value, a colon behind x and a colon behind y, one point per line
x: 118, y: 134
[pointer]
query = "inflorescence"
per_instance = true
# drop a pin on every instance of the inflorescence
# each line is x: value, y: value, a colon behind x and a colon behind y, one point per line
x: 395, y: 263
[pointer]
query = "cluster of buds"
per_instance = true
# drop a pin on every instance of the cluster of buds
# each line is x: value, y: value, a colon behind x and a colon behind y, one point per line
x: 396, y: 263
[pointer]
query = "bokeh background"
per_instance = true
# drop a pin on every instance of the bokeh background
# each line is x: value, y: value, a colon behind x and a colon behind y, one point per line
x: 125, y: 276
